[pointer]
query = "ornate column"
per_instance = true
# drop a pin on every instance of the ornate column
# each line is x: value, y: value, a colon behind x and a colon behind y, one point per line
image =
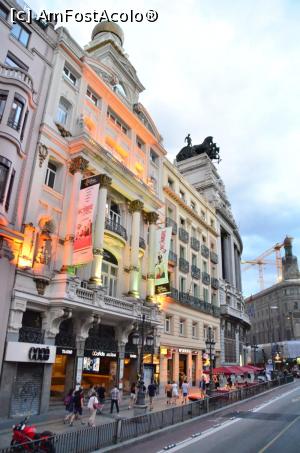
x: 122, y: 331
x: 135, y: 208
x: 237, y: 345
x: 76, y: 167
x: 175, y: 366
x: 105, y: 182
x: 199, y: 368
x: 152, y: 218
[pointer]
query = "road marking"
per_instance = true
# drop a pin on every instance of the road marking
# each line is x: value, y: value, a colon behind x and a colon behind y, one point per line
x: 185, y: 443
x: 279, y: 435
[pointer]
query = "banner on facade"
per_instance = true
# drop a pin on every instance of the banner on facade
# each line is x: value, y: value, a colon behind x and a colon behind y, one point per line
x: 87, y: 203
x: 162, y: 248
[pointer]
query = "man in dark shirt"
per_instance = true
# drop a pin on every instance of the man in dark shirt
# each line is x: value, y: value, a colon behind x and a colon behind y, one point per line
x: 101, y: 396
x: 151, y: 393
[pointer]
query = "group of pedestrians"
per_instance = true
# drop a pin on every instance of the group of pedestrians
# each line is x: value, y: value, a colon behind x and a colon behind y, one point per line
x: 172, y: 392
x: 74, y: 403
x: 152, y: 390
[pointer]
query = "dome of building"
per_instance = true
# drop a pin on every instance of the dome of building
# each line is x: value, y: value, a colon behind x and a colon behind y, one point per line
x: 108, y: 27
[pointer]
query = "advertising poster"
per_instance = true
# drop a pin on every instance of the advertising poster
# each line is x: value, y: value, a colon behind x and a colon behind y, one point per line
x: 163, y: 240
x: 87, y: 204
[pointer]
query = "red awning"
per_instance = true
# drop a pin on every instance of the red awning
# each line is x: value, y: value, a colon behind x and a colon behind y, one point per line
x: 235, y: 369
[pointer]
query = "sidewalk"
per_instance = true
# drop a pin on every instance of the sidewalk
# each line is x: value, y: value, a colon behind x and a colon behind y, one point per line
x: 53, y: 420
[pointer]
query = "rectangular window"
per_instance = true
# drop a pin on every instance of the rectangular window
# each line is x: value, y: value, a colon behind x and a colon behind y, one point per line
x: 203, y: 214
x: 3, y: 99
x: 182, y: 222
x: 10, y: 187
x: 194, y: 233
x: 170, y: 213
x: 3, y: 12
x: 70, y: 76
x: 24, y: 124
x: 15, y: 116
x: 140, y: 144
x: 92, y: 97
x: 181, y: 326
x: 195, y: 290
x: 118, y: 122
x: 194, y: 330
x: 181, y: 252
x: 205, y: 294
x: 182, y: 195
x: 14, y: 62
x: 182, y: 284
x: 193, y: 205
x: 4, y: 172
x: 20, y: 33
x: 168, y: 324
x: 172, y: 245
x: 204, y: 266
x: 171, y: 183
x: 194, y: 260
x: 154, y: 157
x: 51, y: 175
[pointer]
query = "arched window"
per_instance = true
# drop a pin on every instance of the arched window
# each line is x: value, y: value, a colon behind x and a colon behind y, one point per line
x: 63, y: 111
x: 109, y: 273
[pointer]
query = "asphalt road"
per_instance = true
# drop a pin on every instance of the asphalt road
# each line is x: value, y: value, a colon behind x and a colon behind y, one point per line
x: 270, y: 423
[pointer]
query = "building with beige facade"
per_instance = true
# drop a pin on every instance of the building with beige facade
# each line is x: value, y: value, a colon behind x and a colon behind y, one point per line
x: 26, y: 55
x: 72, y: 324
x: 193, y: 303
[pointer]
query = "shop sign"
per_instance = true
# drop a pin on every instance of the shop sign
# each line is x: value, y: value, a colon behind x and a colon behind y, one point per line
x: 29, y: 352
x: 183, y: 351
x: 130, y: 356
x: 103, y: 354
x: 164, y: 351
x: 65, y: 351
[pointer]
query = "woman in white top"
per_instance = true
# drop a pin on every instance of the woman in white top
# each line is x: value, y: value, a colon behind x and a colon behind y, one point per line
x: 93, y: 406
x: 174, y: 391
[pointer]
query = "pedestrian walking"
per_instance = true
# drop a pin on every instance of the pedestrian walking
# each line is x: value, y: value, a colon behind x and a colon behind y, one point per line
x: 115, y: 395
x: 168, y: 391
x: 185, y: 391
x: 175, y: 394
x: 151, y: 393
x: 93, y: 406
x: 202, y: 386
x: 101, y: 398
x: 78, y: 405
x: 132, y: 395
x: 91, y: 390
x: 69, y: 405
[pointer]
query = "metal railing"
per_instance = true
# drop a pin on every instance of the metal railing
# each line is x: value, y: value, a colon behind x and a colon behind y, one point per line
x: 31, y: 335
x: 204, y: 251
x: 184, y: 265
x: 205, y: 278
x: 214, y: 257
x: 195, y: 302
x: 171, y: 223
x: 183, y: 235
x: 215, y: 283
x: 90, y: 439
x: 173, y: 257
x: 195, y: 244
x: 196, y: 272
x: 142, y: 243
x: 115, y: 228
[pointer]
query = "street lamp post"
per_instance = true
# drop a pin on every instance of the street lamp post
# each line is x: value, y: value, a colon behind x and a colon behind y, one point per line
x: 138, y: 339
x: 272, y: 307
x: 210, y: 344
x: 255, y: 348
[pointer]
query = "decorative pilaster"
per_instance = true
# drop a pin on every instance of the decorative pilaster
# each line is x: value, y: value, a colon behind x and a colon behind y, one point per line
x: 43, y: 153
x: 152, y: 218
x: 222, y: 341
x: 122, y: 331
x: 237, y: 345
x: 77, y: 167
x: 105, y: 182
x: 135, y: 208
x: 53, y: 318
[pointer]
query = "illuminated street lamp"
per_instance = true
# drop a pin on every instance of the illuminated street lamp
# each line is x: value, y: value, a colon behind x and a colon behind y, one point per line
x: 138, y: 339
x: 210, y: 344
x: 272, y: 307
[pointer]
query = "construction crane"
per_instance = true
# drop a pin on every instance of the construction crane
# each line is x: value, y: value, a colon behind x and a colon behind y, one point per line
x: 261, y: 262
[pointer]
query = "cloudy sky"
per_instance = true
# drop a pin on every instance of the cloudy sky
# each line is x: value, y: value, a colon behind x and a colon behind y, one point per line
x: 229, y: 69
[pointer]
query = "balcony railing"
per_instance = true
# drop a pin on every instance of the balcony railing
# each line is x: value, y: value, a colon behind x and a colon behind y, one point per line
x: 204, y: 251
x: 215, y: 283
x: 173, y: 257
x: 184, y: 265
x: 205, y: 278
x: 196, y: 272
x: 183, y: 235
x: 115, y: 228
x: 142, y: 243
x: 214, y: 257
x: 31, y: 335
x: 195, y: 244
x: 16, y: 74
x: 171, y: 223
x: 14, y: 124
x: 195, y: 302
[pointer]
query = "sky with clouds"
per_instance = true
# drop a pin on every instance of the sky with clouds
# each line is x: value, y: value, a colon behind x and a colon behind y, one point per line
x: 229, y: 69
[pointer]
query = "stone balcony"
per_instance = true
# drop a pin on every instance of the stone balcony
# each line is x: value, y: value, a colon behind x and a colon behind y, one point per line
x: 17, y: 74
x: 67, y: 291
x: 227, y: 310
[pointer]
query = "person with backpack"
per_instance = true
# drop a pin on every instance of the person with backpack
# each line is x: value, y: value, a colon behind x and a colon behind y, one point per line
x: 151, y: 393
x: 93, y: 406
x: 69, y: 405
x: 101, y: 398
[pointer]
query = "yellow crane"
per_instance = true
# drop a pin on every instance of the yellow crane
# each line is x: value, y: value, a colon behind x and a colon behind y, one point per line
x: 260, y: 261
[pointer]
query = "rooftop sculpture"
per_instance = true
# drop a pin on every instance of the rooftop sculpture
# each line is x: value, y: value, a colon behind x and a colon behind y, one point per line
x: 208, y: 147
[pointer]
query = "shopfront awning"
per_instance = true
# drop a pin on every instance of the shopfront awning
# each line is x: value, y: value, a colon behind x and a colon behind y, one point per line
x: 235, y: 369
